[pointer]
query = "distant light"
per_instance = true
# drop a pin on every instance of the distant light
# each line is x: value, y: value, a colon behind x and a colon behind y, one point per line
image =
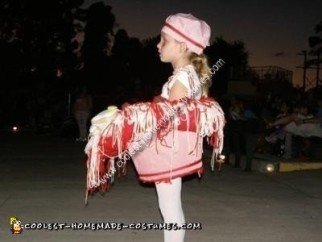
x: 222, y: 157
x: 270, y: 168
x: 33, y: 69
x: 59, y: 73
x: 14, y: 129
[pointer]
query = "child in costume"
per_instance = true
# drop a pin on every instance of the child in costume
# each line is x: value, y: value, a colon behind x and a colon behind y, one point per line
x: 165, y: 137
x: 183, y: 38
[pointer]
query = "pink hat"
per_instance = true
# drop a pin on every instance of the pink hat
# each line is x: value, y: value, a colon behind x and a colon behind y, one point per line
x: 188, y: 29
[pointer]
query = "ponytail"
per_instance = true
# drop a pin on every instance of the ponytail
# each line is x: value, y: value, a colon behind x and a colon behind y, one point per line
x: 200, y: 63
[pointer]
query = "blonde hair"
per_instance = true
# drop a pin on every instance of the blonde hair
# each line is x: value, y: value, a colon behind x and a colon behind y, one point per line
x: 200, y: 63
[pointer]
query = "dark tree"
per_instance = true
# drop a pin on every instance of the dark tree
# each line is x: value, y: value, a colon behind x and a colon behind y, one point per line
x: 235, y: 57
x: 154, y: 73
x: 36, y: 35
x: 35, y: 52
x: 315, y: 42
x: 99, y: 26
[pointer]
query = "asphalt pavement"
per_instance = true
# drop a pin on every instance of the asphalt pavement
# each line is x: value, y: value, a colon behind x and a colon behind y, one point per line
x: 43, y: 183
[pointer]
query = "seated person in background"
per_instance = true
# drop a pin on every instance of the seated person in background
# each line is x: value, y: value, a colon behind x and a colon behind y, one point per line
x: 302, y: 124
x: 236, y: 110
x: 278, y: 133
x: 299, y: 114
x: 277, y: 137
x: 305, y: 124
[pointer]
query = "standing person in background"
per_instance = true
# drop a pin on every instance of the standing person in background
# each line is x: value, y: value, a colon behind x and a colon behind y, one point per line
x: 82, y: 111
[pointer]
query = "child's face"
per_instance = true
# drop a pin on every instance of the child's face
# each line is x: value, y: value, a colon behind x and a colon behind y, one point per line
x: 168, y: 48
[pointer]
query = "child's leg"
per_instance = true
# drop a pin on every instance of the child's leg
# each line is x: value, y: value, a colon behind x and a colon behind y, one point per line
x: 169, y: 196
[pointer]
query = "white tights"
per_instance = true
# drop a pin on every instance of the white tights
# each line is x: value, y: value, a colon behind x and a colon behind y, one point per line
x: 169, y: 195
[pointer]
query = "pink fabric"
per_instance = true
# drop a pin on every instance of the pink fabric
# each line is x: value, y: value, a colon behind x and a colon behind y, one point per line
x: 188, y: 29
x: 177, y: 155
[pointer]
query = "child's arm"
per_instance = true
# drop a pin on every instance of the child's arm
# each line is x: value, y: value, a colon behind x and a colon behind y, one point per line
x: 312, y: 121
x: 178, y: 91
x: 285, y: 120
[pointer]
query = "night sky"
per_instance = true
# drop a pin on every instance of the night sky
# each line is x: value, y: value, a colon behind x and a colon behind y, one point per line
x: 273, y: 31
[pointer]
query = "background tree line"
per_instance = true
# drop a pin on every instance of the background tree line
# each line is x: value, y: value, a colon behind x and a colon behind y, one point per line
x: 48, y: 48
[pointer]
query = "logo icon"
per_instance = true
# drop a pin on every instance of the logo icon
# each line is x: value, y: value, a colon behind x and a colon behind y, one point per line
x: 15, y: 224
